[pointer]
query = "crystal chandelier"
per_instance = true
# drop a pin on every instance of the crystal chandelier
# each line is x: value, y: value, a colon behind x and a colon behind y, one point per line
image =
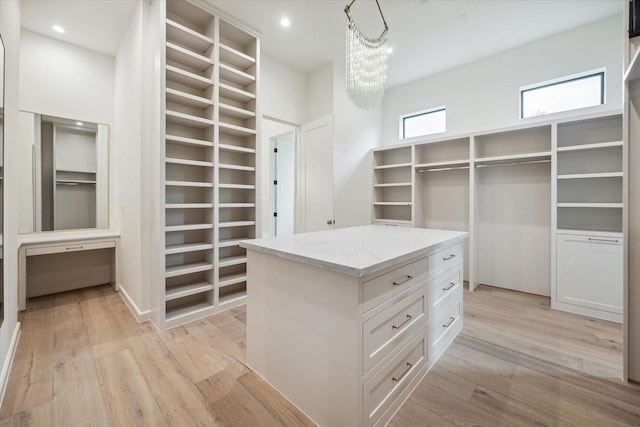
x: 367, y: 63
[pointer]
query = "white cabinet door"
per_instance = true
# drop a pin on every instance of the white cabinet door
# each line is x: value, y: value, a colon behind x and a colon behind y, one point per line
x: 589, y: 272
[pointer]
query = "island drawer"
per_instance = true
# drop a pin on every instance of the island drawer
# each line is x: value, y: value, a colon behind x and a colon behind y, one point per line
x: 445, y: 258
x: 443, y: 327
x: 387, y: 330
x: 442, y: 288
x: 380, y: 289
x: 382, y: 389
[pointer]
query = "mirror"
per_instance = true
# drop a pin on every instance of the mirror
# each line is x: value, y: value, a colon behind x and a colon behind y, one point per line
x: 1, y: 180
x: 65, y: 175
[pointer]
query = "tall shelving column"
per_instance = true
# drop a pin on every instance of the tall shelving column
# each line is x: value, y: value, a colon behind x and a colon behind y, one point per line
x: 189, y: 162
x: 588, y: 276
x: 237, y: 65
x: 393, y: 186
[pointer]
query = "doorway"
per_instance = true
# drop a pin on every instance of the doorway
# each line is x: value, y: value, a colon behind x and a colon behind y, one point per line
x: 282, y: 176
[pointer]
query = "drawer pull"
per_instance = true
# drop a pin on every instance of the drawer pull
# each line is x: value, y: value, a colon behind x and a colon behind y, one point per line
x: 451, y: 319
x: 451, y: 285
x: 409, y: 366
x: 409, y: 317
x: 447, y: 258
x: 74, y: 248
x: 593, y: 239
x: 402, y: 282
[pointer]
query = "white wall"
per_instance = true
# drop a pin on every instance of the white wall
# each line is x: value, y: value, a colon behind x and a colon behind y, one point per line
x: 485, y: 94
x: 64, y: 80
x: 320, y: 93
x: 356, y: 132
x: 10, y: 31
x: 127, y: 141
x: 284, y: 90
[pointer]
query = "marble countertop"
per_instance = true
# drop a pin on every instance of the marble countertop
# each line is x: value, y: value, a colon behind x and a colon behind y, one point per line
x: 357, y: 251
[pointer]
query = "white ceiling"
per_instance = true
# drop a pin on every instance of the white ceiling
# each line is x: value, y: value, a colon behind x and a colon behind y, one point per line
x: 427, y: 36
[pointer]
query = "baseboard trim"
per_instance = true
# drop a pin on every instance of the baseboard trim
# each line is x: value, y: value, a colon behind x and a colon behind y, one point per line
x: 6, y: 368
x: 141, y: 316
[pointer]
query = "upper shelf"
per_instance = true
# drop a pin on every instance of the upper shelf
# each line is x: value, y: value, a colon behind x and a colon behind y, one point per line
x: 633, y: 70
x: 188, y: 37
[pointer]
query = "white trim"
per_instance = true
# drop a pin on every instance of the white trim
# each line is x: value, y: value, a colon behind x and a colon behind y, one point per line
x: 6, y: 368
x: 141, y: 316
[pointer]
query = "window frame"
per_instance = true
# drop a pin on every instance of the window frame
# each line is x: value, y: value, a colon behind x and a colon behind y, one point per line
x: 403, y: 117
x: 602, y: 72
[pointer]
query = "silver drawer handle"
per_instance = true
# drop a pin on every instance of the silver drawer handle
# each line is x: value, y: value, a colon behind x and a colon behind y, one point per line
x: 409, y: 317
x: 73, y: 248
x: 593, y: 239
x: 447, y: 258
x: 451, y: 285
x: 446, y: 325
x: 409, y: 366
x: 406, y: 279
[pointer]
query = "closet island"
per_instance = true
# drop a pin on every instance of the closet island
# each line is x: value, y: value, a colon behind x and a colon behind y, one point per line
x: 346, y: 322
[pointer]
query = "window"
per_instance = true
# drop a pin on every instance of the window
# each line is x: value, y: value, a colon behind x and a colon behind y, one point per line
x: 423, y: 123
x: 567, y: 93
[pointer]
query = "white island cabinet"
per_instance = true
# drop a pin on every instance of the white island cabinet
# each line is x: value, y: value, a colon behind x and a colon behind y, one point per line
x: 346, y: 322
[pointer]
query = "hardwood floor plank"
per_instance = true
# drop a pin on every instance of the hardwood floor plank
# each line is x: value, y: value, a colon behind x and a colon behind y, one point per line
x: 129, y: 400
x: 38, y: 416
x: 414, y: 414
x: 279, y: 407
x: 31, y: 379
x: 105, y: 334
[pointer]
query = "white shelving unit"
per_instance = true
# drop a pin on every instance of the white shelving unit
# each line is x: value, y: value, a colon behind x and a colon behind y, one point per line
x: 210, y: 110
x: 518, y: 191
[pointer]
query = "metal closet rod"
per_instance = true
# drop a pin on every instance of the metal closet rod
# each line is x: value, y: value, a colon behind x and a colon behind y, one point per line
x: 527, y: 162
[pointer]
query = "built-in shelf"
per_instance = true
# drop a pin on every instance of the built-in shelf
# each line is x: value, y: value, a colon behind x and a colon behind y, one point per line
x: 451, y: 164
x: 232, y: 279
x: 185, y: 98
x: 228, y: 243
x: 237, y: 186
x: 392, y: 203
x: 228, y: 298
x: 591, y: 175
x: 237, y: 205
x: 189, y: 184
x: 185, y: 36
x: 591, y: 146
x: 188, y: 162
x: 237, y: 59
x: 188, y: 205
x: 188, y: 289
x: 398, y: 165
x: 633, y: 70
x: 181, y: 140
x: 187, y: 227
x: 232, y: 111
x: 190, y: 247
x: 237, y: 167
x: 74, y: 181
x: 187, y: 119
x: 235, y: 94
x: 235, y: 130
x: 391, y: 221
x: 393, y: 184
x: 590, y: 205
x: 186, y: 57
x: 188, y: 79
x: 236, y: 149
x: 236, y: 224
x: 235, y: 76
x: 229, y: 261
x: 175, y: 314
x: 182, y: 270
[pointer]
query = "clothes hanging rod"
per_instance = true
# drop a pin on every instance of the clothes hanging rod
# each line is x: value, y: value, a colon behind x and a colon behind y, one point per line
x: 452, y: 168
x: 527, y: 162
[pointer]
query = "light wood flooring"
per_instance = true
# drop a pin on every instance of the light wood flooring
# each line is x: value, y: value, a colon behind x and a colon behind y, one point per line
x: 83, y: 360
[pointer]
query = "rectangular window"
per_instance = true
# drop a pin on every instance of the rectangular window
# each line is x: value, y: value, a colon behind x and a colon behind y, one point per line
x: 423, y: 123
x: 567, y: 93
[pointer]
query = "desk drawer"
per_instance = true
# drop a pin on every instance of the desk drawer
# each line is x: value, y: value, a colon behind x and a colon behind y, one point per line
x: 444, y: 326
x: 387, y: 330
x: 445, y: 258
x: 442, y: 288
x: 380, y: 392
x: 70, y: 247
x: 381, y: 288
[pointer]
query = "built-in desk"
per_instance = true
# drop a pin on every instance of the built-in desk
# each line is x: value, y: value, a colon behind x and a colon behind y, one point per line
x: 345, y: 323
x: 52, y: 243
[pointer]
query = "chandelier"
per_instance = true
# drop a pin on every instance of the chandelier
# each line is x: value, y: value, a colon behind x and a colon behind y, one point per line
x: 367, y: 63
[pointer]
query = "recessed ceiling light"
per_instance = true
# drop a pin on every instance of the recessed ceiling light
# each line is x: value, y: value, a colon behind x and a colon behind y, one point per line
x: 285, y: 22
x: 58, y: 29
x: 79, y: 123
